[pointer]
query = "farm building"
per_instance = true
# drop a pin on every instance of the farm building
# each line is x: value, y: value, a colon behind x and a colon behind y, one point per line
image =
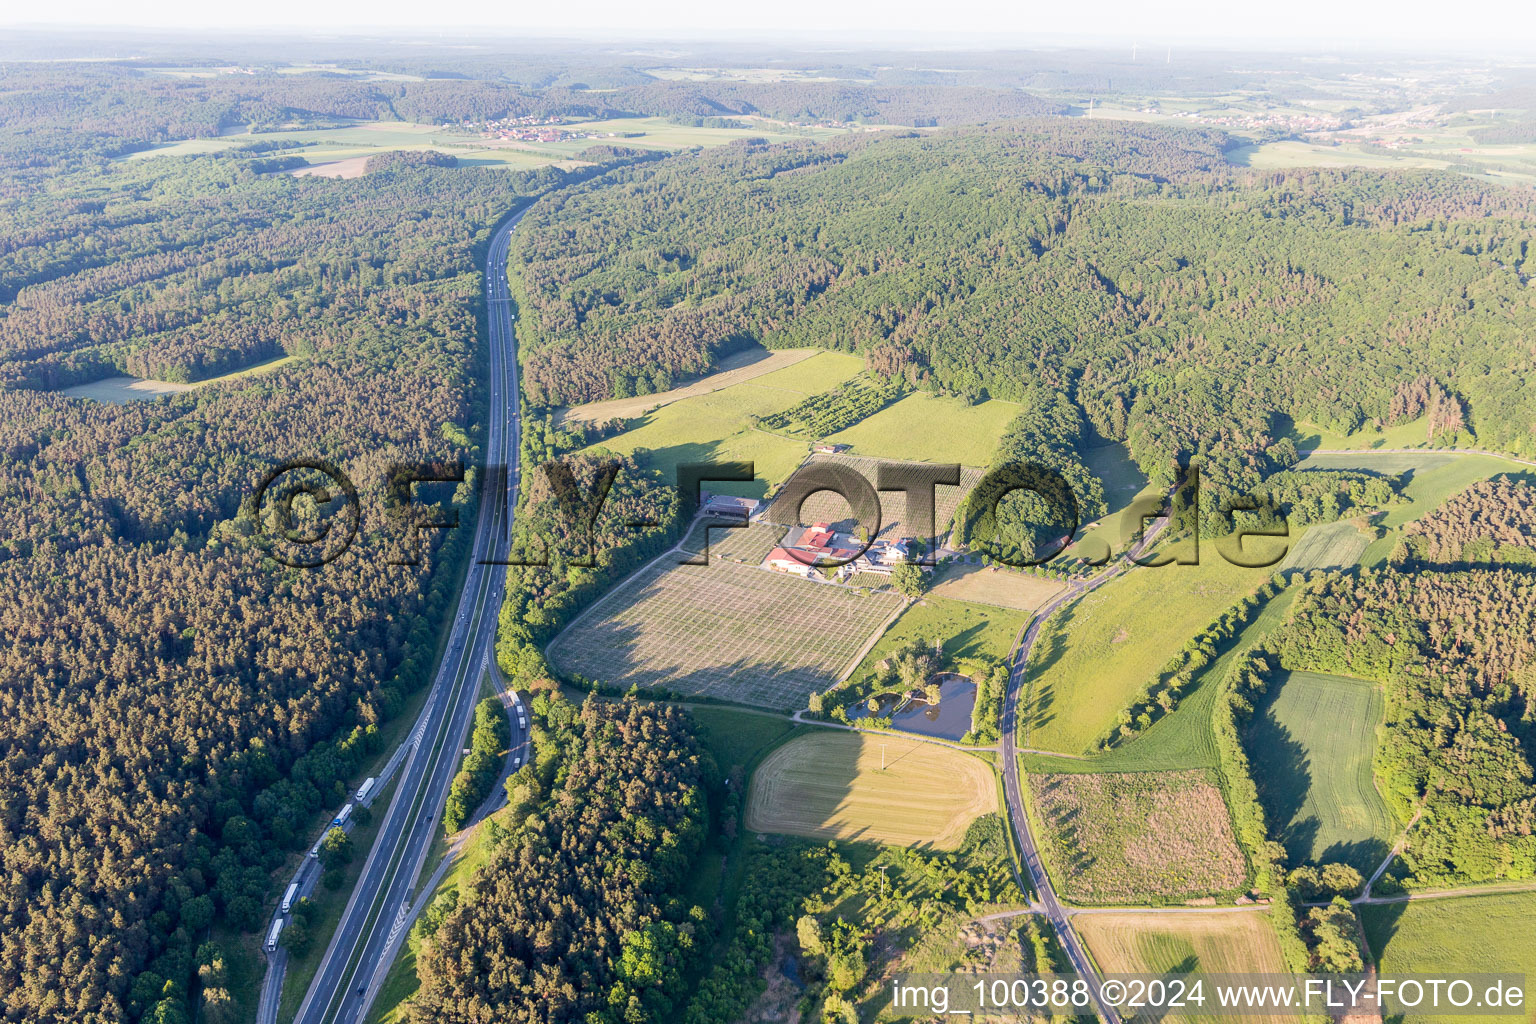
x: 884, y: 556
x: 725, y: 506
x: 780, y: 560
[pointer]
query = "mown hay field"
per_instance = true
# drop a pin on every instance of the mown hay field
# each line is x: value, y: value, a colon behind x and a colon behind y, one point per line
x: 728, y: 631
x: 736, y: 368
x: 1180, y: 944
x: 1311, y: 743
x: 831, y: 785
x: 931, y: 428
x: 1006, y: 588
x: 1137, y: 837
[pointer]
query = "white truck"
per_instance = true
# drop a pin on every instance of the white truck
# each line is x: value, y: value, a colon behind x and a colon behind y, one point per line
x: 288, y: 897
x: 277, y: 928
x: 366, y: 788
x: 341, y: 819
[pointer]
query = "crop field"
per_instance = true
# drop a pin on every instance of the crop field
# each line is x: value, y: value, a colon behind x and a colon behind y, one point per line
x: 967, y: 631
x: 1093, y: 657
x: 830, y: 785
x: 1450, y: 936
x: 736, y: 368
x: 361, y: 138
x: 727, y: 631
x: 1180, y: 944
x: 1328, y: 546
x: 828, y: 507
x: 715, y: 427
x: 929, y: 428
x: 368, y: 138
x: 1311, y: 743
x: 736, y: 544
x: 1137, y: 837
x: 1006, y: 588
x: 1452, y: 149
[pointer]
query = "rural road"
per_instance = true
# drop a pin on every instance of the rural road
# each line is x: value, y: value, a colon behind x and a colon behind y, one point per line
x: 380, y: 909
x: 1029, y: 851
x: 1304, y: 452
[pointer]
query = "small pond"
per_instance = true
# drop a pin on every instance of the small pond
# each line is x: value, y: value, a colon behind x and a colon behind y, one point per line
x: 949, y: 721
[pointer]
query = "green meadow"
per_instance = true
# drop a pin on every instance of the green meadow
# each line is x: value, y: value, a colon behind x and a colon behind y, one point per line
x: 930, y: 428
x: 1444, y: 937
x: 1310, y: 743
x: 716, y: 427
x: 1094, y: 656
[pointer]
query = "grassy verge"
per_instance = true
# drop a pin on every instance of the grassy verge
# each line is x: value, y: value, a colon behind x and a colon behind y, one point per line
x: 737, y: 739
x: 401, y: 983
x: 329, y: 904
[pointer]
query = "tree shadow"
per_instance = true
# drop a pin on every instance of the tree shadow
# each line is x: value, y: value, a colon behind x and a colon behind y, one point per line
x: 1282, y: 773
x: 1178, y: 972
x: 1361, y: 854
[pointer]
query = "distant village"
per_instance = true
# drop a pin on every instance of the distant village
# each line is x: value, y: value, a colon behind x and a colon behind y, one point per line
x: 530, y: 129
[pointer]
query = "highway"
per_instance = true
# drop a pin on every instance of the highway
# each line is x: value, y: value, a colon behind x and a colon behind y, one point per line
x: 1077, y: 955
x: 381, y: 907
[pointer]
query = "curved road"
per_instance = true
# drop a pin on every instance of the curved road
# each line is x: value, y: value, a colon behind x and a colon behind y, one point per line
x: 1077, y: 955
x: 380, y: 909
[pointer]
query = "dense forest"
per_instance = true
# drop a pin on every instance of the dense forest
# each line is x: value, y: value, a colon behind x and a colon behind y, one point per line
x: 1455, y: 653
x: 1491, y: 523
x: 1177, y: 303
x: 578, y: 916
x: 179, y: 707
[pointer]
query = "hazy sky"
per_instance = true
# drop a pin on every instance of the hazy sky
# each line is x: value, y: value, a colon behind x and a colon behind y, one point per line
x: 1334, y: 23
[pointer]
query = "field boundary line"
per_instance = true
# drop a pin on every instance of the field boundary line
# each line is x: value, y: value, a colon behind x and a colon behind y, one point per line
x: 1464, y: 892
x: 1304, y: 452
x: 869, y: 644
x: 897, y: 733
